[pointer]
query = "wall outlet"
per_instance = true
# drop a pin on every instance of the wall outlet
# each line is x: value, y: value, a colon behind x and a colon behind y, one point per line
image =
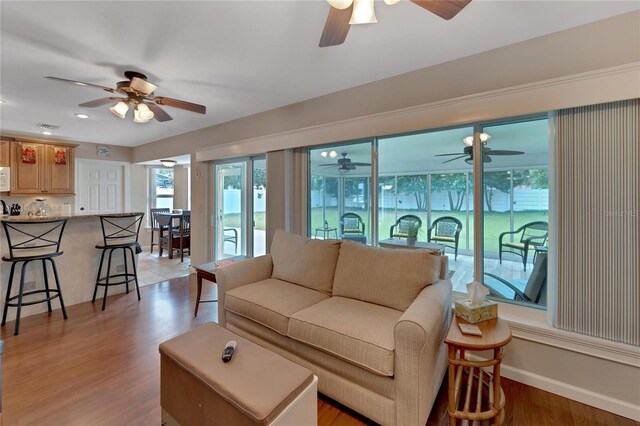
x: 29, y: 285
x: 120, y: 268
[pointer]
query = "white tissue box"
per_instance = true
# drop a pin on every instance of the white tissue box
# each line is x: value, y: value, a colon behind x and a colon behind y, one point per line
x: 482, y: 311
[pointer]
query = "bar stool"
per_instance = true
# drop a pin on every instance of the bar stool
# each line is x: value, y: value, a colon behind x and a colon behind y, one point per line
x: 29, y: 242
x: 119, y: 232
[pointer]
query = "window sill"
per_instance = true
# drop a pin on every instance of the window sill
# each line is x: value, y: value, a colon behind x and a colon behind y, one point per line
x: 531, y: 324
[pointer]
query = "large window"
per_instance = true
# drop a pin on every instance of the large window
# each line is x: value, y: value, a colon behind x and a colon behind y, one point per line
x: 427, y: 178
x: 424, y: 175
x: 340, y: 192
x: 161, y: 187
x: 516, y: 210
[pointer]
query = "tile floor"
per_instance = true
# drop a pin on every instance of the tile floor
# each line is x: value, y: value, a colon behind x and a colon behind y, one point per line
x: 154, y: 269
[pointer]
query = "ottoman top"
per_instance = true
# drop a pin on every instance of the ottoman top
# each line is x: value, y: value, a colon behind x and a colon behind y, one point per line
x: 256, y: 381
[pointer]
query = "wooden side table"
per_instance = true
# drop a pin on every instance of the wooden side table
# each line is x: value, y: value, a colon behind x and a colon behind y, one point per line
x: 207, y: 271
x: 488, y: 398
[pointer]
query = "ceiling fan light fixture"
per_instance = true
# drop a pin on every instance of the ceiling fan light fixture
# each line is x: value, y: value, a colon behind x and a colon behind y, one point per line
x: 391, y: 2
x: 340, y: 4
x: 484, y: 137
x: 168, y: 163
x: 143, y: 112
x: 120, y: 109
x: 137, y: 118
x: 363, y: 12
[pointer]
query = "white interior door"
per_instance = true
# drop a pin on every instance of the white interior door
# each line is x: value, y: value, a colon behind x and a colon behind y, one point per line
x: 100, y: 187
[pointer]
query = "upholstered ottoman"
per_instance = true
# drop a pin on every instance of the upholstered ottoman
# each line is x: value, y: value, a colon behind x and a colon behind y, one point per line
x: 257, y: 387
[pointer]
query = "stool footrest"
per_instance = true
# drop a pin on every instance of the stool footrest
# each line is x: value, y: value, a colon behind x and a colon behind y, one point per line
x: 33, y: 302
x: 129, y: 278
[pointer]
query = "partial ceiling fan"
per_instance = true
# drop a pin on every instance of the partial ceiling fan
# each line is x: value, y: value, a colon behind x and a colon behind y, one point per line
x: 344, y: 13
x: 139, y: 93
x: 344, y: 164
x: 486, y: 154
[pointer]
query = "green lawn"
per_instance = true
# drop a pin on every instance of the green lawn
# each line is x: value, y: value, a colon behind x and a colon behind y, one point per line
x: 494, y: 223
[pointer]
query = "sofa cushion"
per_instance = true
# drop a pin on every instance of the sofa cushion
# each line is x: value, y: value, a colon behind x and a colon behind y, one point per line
x: 301, y: 260
x: 358, y: 332
x: 271, y: 302
x: 387, y: 277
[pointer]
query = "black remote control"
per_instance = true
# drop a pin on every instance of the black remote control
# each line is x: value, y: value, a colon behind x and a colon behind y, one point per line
x: 228, y: 351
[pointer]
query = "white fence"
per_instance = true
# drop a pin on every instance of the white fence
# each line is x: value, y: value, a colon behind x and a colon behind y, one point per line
x: 233, y: 200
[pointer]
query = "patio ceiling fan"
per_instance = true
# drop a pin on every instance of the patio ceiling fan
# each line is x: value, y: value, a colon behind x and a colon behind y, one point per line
x: 344, y: 164
x: 137, y: 92
x: 486, y: 154
x: 344, y: 13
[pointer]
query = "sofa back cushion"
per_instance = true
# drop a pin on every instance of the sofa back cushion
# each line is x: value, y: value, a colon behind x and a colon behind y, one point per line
x: 387, y: 277
x: 303, y: 261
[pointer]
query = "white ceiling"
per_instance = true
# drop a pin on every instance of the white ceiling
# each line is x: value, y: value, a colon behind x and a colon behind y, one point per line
x: 236, y: 57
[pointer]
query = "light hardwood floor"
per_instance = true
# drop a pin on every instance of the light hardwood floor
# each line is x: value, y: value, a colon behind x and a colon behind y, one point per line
x: 102, y: 368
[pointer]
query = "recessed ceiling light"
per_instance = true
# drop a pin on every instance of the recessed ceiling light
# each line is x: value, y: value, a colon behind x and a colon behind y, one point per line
x: 1, y: 101
x: 80, y: 115
x: 47, y: 133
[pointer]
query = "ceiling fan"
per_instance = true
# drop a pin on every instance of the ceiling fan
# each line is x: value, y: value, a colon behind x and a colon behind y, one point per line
x: 344, y: 164
x: 486, y: 154
x: 137, y: 91
x: 344, y: 13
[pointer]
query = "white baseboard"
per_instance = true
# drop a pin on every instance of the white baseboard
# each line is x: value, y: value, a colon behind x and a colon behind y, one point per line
x: 603, y: 402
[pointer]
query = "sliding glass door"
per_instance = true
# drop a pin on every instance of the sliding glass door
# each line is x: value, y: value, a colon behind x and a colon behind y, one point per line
x: 240, y: 200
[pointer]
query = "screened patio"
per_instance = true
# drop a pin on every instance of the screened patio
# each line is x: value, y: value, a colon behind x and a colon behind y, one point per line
x: 415, y: 178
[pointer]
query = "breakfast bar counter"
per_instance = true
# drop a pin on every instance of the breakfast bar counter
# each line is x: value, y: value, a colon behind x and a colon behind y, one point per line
x: 77, y: 267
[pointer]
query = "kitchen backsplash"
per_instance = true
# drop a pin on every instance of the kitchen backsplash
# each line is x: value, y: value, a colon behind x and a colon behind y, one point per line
x: 56, y: 204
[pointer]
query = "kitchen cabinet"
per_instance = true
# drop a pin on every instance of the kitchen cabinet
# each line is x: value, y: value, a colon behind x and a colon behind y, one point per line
x: 5, y: 157
x: 39, y: 168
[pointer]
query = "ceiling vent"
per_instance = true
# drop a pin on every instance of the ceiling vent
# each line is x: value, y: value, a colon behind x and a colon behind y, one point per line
x: 48, y: 127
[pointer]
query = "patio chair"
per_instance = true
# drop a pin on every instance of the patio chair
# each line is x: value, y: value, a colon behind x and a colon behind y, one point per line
x: 352, y: 228
x: 231, y: 238
x: 531, y: 235
x: 399, y: 229
x: 534, y: 290
x: 445, y: 230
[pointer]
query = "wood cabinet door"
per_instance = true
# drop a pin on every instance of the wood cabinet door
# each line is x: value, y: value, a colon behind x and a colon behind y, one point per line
x: 5, y: 158
x: 59, y: 170
x: 27, y: 169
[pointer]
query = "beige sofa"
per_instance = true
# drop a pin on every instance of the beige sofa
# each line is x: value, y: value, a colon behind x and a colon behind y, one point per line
x: 370, y: 322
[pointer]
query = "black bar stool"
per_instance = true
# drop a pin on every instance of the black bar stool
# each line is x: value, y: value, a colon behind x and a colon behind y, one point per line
x: 119, y: 232
x: 28, y: 242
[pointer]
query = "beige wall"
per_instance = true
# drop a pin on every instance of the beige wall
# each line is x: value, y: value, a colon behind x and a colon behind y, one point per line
x: 180, y: 188
x: 139, y: 198
x: 90, y: 151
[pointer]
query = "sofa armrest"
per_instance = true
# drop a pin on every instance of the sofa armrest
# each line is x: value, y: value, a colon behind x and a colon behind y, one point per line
x: 238, y: 274
x: 420, y: 355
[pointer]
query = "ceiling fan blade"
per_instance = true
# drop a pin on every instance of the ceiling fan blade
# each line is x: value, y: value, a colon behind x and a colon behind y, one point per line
x: 142, y: 86
x: 80, y: 83
x: 158, y: 113
x: 176, y: 103
x: 100, y: 102
x: 446, y: 9
x: 361, y: 164
x: 336, y: 27
x: 454, y: 159
x: 444, y: 155
x: 328, y: 165
x: 504, y: 152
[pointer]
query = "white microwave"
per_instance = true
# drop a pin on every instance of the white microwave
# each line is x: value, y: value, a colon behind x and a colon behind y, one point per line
x: 5, y: 179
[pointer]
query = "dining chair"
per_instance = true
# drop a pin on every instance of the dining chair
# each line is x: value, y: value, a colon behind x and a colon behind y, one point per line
x: 155, y: 227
